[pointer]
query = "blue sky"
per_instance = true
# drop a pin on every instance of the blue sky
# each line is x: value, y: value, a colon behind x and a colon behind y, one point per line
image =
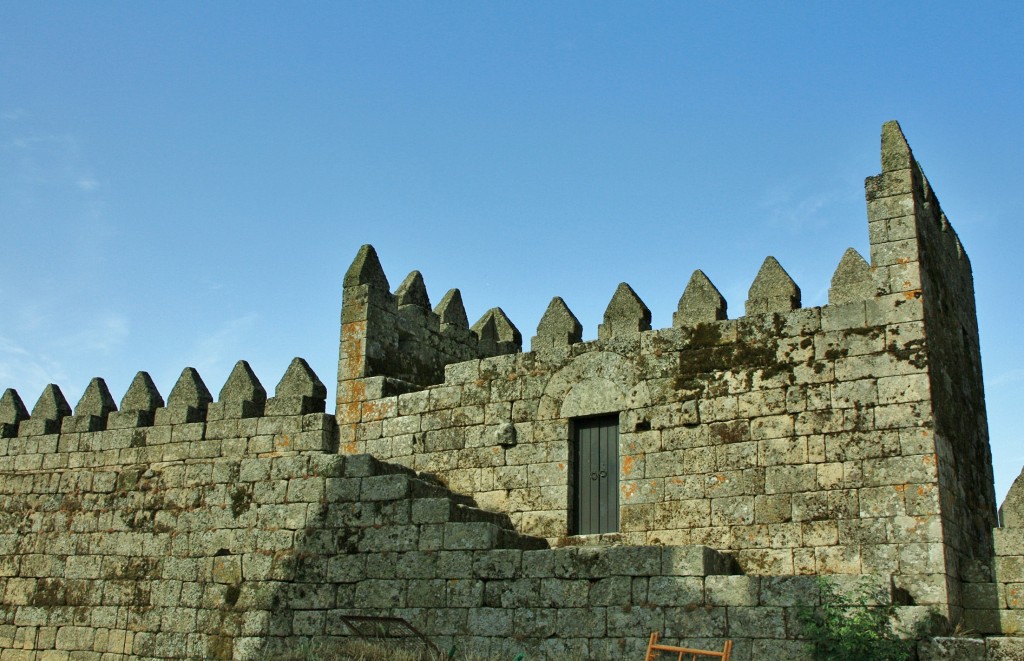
x: 186, y: 183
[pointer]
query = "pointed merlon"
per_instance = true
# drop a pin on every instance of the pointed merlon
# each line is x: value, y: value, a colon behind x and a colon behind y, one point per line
x: 299, y: 392
x: 852, y: 280
x: 558, y: 327
x: 242, y: 386
x: 896, y: 154
x: 773, y: 290
x: 626, y: 314
x: 142, y: 395
x: 12, y: 412
x: 366, y: 270
x: 485, y: 329
x: 1011, y: 512
x: 51, y: 405
x: 701, y: 302
x: 12, y: 409
x: 451, y: 311
x: 96, y: 401
x: 496, y: 334
x: 486, y: 332
x: 300, y: 379
x: 413, y: 291
x: 189, y: 391
x: 506, y: 330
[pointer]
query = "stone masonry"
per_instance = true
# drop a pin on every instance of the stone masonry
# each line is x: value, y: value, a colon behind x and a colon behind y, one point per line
x: 741, y: 459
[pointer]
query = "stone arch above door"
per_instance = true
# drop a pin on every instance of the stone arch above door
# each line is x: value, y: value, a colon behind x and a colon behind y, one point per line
x: 593, y: 384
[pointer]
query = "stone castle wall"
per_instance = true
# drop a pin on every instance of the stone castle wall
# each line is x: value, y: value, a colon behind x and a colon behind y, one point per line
x: 848, y: 438
x: 754, y: 454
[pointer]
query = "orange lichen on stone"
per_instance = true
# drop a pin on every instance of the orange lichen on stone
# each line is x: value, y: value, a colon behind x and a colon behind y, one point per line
x: 378, y: 410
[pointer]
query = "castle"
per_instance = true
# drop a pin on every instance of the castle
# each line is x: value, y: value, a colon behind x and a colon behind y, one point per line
x: 563, y: 501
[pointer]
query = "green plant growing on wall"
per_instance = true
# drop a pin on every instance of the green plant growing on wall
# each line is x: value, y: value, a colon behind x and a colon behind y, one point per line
x: 852, y: 625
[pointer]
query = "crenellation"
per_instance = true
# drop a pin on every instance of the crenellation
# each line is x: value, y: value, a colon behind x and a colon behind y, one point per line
x: 701, y: 302
x: 12, y: 412
x: 49, y: 410
x: 451, y: 485
x: 772, y: 290
x: 626, y: 315
x: 242, y: 396
x: 188, y: 401
x: 92, y: 411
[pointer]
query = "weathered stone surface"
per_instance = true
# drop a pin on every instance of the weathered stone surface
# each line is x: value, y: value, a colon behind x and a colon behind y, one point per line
x: 852, y: 280
x: 497, y: 334
x: 413, y: 291
x: 451, y: 311
x: 772, y: 290
x: 189, y: 390
x: 242, y: 386
x: 366, y: 270
x: 701, y: 302
x: 745, y: 457
x: 12, y: 409
x: 558, y: 327
x: 96, y: 400
x: 142, y: 395
x: 51, y: 404
x: 896, y: 154
x: 625, y: 315
x: 242, y: 396
x: 1011, y: 512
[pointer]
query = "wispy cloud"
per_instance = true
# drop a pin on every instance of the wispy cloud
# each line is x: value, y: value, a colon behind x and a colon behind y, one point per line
x: 28, y: 373
x: 13, y: 114
x: 1005, y: 378
x: 103, y: 334
x: 791, y: 207
x: 221, y: 347
x: 88, y: 184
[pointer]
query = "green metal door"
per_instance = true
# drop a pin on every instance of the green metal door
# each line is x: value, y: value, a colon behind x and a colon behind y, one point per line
x: 596, y: 455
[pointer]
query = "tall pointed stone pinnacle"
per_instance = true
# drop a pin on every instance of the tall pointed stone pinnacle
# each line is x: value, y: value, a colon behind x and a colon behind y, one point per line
x: 626, y: 314
x: 451, y: 311
x: 700, y: 302
x: 896, y: 154
x: 413, y: 291
x: 852, y: 280
x: 299, y: 392
x: 559, y: 327
x: 12, y: 412
x: 366, y: 270
x: 772, y: 290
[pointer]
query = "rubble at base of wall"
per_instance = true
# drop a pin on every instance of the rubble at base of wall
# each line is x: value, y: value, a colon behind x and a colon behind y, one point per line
x: 1001, y: 648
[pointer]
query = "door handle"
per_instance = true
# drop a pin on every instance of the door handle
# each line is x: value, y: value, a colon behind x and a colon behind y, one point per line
x: 604, y: 473
x: 593, y: 476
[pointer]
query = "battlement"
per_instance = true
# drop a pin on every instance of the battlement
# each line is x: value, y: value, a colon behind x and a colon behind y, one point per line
x: 612, y: 486
x: 241, y: 422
